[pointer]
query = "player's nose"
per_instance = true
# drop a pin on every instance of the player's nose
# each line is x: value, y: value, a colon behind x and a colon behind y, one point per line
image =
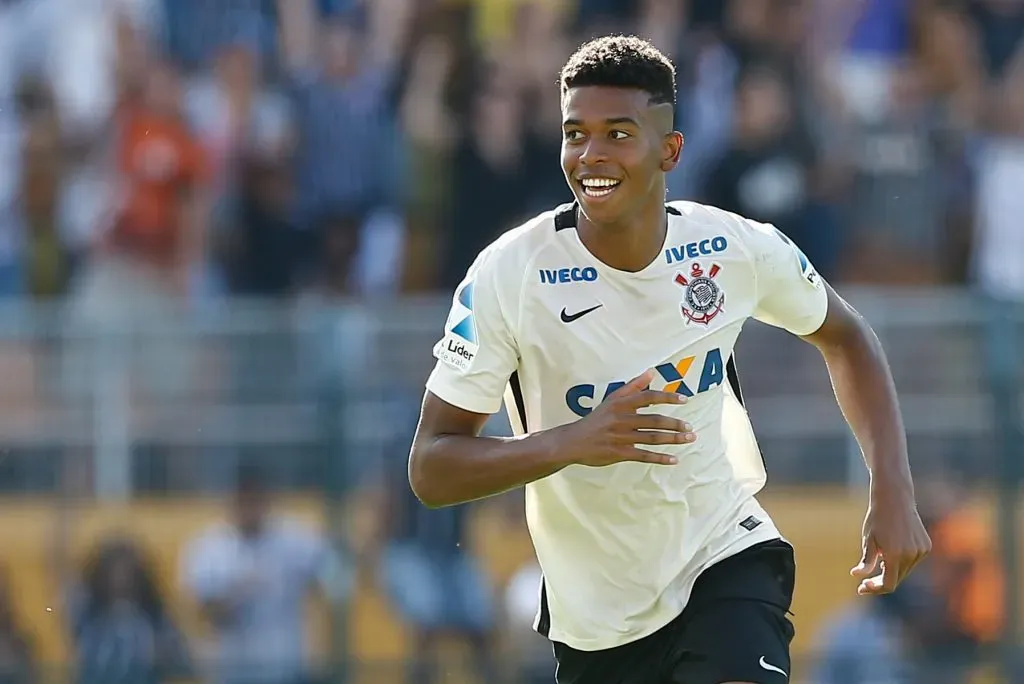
x: 593, y: 153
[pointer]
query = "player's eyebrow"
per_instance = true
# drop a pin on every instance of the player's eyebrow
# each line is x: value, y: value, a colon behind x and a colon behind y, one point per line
x: 614, y: 121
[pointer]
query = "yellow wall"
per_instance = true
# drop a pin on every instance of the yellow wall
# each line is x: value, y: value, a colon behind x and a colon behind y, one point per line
x: 823, y: 526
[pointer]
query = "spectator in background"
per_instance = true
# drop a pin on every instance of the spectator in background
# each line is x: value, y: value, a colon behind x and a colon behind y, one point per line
x: 706, y: 71
x: 142, y: 261
x: 489, y: 175
x: 896, y: 204
x: 874, y: 38
x: 991, y: 38
x: 17, y: 660
x: 120, y: 626
x: 768, y: 171
x: 530, y: 651
x: 263, y: 253
x: 935, y: 628
x: 197, y: 29
x: 431, y: 574
x: 242, y: 123
x: 157, y: 236
x: 534, y: 59
x: 966, y: 576
x: 348, y: 151
x: 46, y: 263
x: 95, y: 52
x: 251, y: 577
x: 334, y: 258
x: 876, y: 641
x: 137, y: 279
x: 16, y: 32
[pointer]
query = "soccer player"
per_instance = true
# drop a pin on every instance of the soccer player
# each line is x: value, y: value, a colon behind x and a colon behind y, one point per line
x: 608, y: 325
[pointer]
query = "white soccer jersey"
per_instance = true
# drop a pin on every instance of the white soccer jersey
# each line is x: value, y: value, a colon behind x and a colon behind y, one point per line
x: 543, y: 323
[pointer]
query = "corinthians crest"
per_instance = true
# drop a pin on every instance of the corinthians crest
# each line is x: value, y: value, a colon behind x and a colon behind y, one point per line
x: 703, y: 299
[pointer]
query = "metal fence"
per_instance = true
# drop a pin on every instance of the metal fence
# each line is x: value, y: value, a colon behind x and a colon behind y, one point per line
x: 324, y: 394
x: 249, y: 378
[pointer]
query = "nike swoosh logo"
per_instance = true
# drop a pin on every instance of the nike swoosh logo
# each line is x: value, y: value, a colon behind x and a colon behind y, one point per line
x: 771, y: 668
x: 569, y: 318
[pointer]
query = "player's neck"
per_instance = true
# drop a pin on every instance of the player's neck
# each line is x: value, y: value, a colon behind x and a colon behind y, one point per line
x: 628, y: 246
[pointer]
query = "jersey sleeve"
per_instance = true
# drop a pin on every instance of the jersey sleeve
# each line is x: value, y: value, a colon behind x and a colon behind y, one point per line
x: 478, y: 352
x: 790, y: 292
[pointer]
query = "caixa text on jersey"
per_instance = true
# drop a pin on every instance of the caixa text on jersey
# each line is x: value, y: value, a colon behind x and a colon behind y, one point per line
x: 676, y: 374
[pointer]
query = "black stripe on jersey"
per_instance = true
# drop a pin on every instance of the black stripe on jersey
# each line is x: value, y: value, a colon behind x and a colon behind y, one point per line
x: 517, y: 396
x: 565, y: 216
x: 734, y: 378
x: 734, y: 384
x: 673, y: 211
x: 544, y: 618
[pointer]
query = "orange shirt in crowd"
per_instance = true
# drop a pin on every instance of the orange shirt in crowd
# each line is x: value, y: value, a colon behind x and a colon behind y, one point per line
x: 969, y: 573
x: 160, y: 162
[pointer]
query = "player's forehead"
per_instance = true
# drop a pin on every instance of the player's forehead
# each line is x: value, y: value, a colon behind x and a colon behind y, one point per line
x: 594, y: 105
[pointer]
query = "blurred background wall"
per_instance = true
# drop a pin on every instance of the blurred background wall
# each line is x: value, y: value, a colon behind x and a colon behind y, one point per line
x: 229, y: 230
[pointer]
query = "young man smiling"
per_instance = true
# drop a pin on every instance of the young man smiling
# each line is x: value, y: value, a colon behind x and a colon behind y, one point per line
x: 660, y: 566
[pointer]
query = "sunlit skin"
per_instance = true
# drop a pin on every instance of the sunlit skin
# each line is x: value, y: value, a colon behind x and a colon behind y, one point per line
x: 617, y: 134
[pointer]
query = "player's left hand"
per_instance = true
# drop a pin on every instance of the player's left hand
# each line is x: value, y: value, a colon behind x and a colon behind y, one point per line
x: 895, y: 540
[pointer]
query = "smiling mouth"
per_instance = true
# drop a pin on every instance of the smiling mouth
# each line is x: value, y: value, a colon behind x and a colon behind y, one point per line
x: 599, y: 187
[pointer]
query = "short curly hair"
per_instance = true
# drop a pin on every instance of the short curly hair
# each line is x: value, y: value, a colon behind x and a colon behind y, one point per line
x: 622, y: 62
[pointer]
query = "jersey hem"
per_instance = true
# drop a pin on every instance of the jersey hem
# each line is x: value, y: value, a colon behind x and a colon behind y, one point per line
x: 591, y: 645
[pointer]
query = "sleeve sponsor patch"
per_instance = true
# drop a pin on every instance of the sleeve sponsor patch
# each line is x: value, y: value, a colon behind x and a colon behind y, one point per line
x: 455, y: 351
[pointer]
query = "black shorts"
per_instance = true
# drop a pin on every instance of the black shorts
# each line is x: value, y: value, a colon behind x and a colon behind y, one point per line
x: 735, y: 628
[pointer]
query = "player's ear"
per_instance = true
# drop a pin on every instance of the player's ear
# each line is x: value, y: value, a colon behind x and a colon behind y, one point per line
x: 672, y: 148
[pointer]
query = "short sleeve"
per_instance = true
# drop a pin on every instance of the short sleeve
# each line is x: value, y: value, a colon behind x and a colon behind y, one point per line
x: 478, y: 353
x: 790, y: 292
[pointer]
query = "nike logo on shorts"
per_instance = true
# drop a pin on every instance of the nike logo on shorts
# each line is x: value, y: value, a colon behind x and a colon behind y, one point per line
x: 771, y: 668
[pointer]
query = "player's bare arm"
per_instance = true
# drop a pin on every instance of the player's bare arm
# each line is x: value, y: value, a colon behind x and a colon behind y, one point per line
x: 894, y: 539
x: 451, y: 464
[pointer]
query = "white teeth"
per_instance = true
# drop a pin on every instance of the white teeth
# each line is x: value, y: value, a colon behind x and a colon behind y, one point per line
x: 599, y: 187
x: 599, y: 182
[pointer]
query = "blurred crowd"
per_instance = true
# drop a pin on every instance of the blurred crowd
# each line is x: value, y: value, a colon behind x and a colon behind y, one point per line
x: 231, y: 605
x: 272, y: 148
x: 158, y: 152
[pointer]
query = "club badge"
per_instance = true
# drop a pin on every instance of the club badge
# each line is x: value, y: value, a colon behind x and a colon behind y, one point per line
x: 703, y: 298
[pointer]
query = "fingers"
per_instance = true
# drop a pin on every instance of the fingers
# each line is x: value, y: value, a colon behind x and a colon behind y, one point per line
x: 637, y: 384
x: 644, y: 456
x: 655, y: 421
x: 883, y: 583
x: 650, y: 397
x: 893, y: 569
x: 868, y: 561
x: 655, y: 437
x: 638, y: 394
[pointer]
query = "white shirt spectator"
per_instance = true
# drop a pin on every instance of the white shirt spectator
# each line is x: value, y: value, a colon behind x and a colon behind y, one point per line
x: 266, y: 578
x: 999, y: 255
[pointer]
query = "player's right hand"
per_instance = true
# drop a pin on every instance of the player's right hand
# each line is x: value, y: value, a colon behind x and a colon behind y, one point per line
x: 612, y: 432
